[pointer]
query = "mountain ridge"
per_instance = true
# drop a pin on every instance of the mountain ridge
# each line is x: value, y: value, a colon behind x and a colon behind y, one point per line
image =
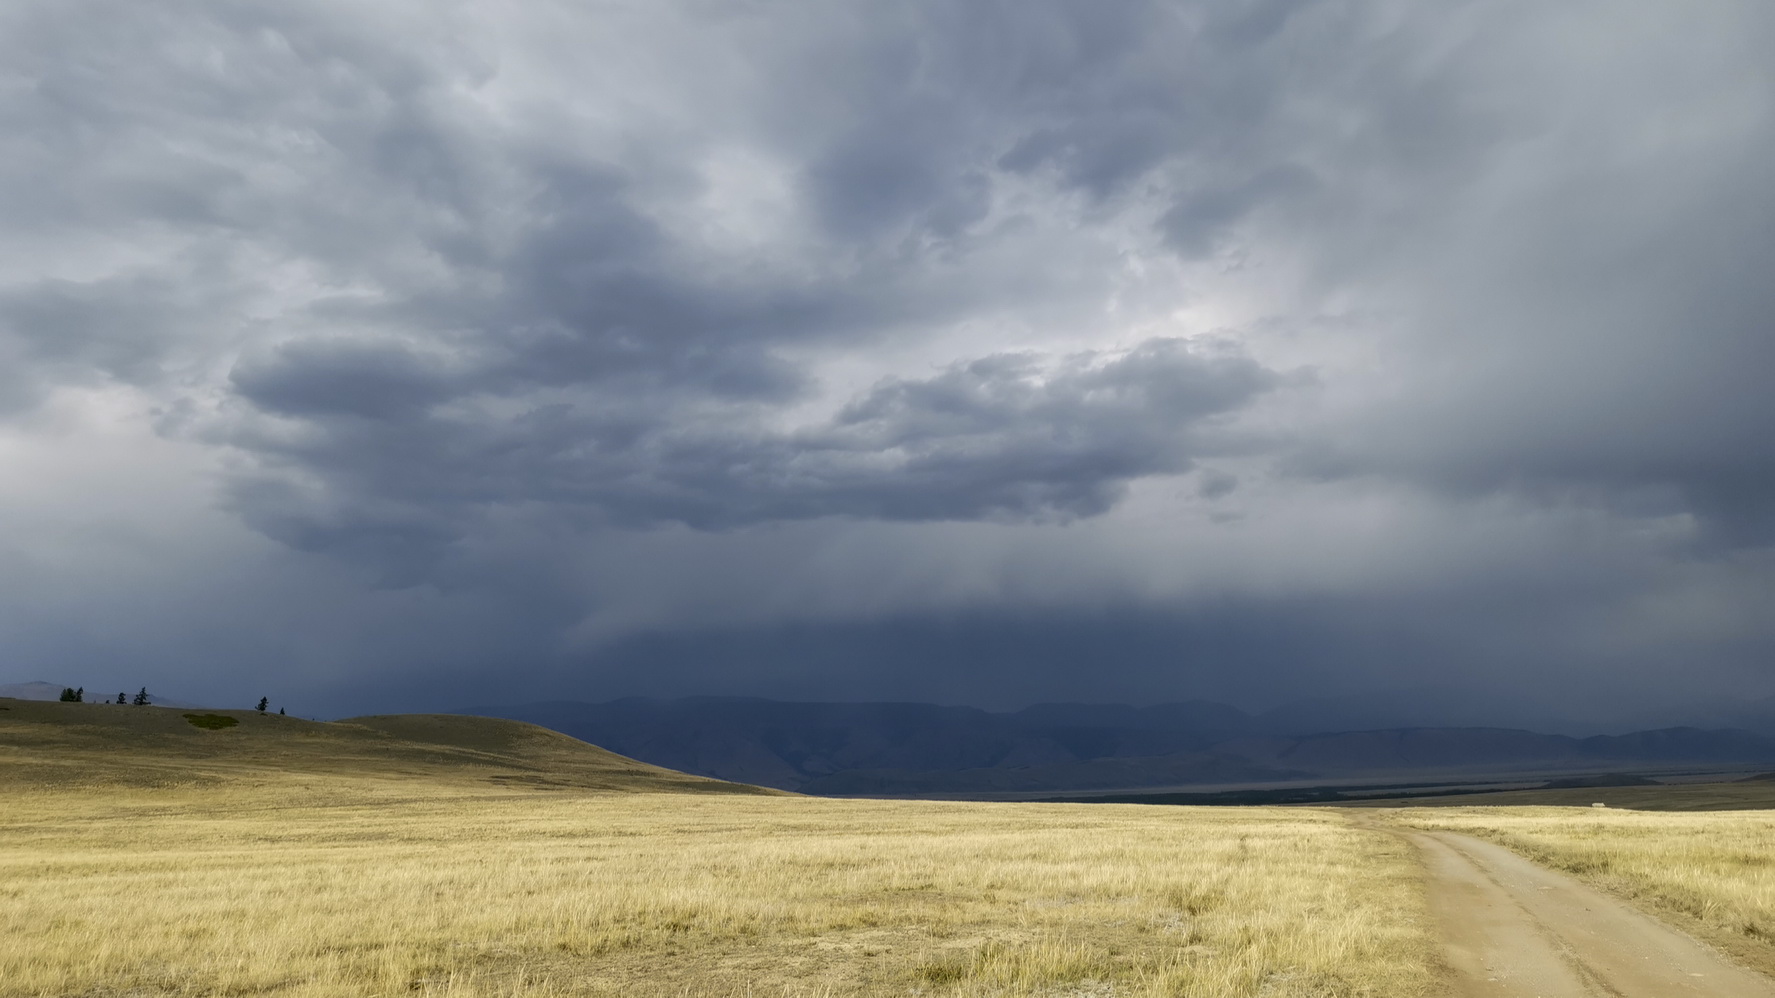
x: 905, y: 748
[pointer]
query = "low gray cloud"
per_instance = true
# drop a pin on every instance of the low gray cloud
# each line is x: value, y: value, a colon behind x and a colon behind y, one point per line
x: 396, y: 449
x: 56, y: 330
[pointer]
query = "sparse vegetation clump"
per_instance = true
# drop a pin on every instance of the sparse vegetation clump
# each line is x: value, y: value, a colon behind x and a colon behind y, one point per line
x: 212, y: 722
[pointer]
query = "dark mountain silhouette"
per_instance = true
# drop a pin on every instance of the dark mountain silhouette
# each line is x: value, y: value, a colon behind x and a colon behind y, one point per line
x: 1756, y: 715
x: 38, y: 690
x: 784, y: 744
x: 915, y: 748
x: 1182, y: 769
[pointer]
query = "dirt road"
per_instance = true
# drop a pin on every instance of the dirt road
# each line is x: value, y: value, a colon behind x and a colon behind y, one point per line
x: 1511, y: 928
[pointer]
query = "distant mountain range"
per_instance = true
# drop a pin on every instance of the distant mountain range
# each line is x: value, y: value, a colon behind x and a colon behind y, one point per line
x: 31, y: 691
x: 918, y: 749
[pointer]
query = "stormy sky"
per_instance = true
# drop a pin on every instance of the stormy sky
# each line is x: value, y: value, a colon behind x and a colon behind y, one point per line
x: 410, y: 355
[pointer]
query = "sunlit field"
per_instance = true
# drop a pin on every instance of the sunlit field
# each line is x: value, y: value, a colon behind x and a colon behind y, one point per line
x: 378, y: 887
x: 1714, y: 871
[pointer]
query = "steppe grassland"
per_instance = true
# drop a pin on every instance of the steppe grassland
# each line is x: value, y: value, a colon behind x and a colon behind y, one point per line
x: 391, y: 888
x: 1713, y: 868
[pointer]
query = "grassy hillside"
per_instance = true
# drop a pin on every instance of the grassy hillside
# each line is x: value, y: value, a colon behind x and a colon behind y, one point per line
x: 98, y: 745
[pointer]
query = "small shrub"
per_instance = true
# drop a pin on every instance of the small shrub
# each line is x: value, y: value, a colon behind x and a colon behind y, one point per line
x: 213, y: 722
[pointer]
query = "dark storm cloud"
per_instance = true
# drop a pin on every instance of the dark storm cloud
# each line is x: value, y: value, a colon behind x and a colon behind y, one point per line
x: 478, y: 301
x: 529, y: 332
x: 1586, y: 317
x: 343, y: 378
x: 1006, y: 436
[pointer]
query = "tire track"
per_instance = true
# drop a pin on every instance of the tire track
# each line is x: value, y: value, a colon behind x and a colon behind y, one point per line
x: 1512, y: 929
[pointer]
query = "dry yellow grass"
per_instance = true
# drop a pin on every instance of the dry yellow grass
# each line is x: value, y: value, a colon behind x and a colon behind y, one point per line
x: 338, y: 883
x: 1714, y: 871
x: 214, y: 892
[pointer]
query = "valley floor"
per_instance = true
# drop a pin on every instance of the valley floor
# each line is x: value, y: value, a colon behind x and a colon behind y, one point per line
x: 385, y: 887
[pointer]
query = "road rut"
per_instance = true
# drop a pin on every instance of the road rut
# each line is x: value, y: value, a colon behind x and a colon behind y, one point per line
x: 1512, y: 929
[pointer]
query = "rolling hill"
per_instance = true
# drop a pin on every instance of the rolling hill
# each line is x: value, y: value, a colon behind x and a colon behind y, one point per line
x: 95, y: 745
